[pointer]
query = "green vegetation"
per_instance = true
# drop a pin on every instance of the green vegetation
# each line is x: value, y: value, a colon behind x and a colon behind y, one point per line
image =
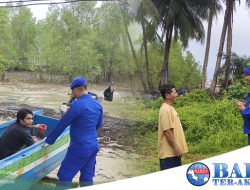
x: 211, y: 127
x: 238, y: 90
x: 101, y: 43
x: 140, y: 47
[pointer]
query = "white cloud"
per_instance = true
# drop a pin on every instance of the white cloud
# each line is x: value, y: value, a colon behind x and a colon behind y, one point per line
x: 39, y: 11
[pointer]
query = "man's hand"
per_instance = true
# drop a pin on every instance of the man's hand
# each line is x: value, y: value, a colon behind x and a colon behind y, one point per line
x: 240, y: 105
x: 35, y: 138
x: 177, y: 151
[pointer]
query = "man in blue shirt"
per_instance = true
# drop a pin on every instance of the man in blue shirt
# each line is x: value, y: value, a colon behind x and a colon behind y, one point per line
x: 244, y: 106
x: 85, y: 118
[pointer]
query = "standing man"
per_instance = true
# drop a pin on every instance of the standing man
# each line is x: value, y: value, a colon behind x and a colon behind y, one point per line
x: 85, y: 118
x: 244, y: 107
x: 171, y: 140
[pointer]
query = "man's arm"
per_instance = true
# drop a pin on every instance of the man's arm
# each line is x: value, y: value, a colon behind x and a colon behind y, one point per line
x: 99, y: 123
x: 168, y: 129
x: 28, y: 140
x: 172, y: 142
x: 64, y: 122
x: 35, y: 126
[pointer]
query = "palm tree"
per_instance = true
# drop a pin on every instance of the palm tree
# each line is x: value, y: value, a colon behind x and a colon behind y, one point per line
x: 227, y: 29
x: 123, y: 5
x: 229, y: 44
x: 181, y: 17
x: 229, y: 49
x: 126, y: 55
x: 227, y: 20
x: 213, y: 10
x: 147, y: 16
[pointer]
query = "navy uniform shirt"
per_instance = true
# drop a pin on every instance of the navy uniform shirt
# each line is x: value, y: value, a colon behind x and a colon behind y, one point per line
x: 13, y: 139
x: 246, y: 116
x: 85, y: 118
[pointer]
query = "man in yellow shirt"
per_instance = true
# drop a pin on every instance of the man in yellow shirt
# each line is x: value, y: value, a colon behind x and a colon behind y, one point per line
x: 171, y: 140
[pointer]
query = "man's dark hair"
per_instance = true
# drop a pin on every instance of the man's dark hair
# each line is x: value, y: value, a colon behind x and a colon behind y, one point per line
x: 82, y: 86
x: 22, y: 113
x: 166, y: 89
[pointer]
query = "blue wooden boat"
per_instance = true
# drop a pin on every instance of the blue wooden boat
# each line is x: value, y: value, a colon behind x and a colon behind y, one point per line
x: 26, y: 167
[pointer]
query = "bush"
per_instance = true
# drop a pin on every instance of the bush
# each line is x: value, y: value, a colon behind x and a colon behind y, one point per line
x: 238, y: 90
x: 203, y: 121
x: 197, y: 96
x: 221, y: 142
x: 152, y: 104
x: 148, y: 121
x: 209, y: 125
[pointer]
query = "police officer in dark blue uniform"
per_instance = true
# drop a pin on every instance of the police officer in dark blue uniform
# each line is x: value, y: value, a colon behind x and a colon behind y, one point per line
x: 244, y: 106
x: 85, y: 118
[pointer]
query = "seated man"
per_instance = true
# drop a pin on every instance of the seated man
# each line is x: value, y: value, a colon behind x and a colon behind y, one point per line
x: 18, y: 134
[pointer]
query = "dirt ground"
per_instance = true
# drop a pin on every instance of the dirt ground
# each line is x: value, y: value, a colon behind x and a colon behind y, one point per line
x: 114, y: 161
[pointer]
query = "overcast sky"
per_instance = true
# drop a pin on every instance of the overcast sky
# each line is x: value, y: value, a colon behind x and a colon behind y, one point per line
x: 241, y: 31
x: 39, y: 11
x: 241, y: 38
